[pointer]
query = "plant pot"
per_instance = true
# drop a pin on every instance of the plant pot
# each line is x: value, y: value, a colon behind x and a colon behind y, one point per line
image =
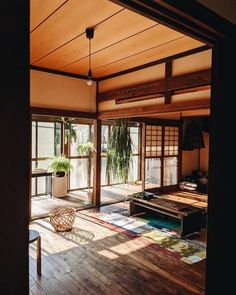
x: 59, y: 186
x: 89, y: 198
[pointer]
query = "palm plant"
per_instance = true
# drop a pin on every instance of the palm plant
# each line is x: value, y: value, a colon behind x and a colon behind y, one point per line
x: 70, y: 131
x: 119, y: 151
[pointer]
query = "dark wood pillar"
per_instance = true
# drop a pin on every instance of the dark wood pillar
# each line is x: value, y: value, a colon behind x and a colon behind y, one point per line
x: 14, y: 147
x: 97, y: 162
x: 222, y: 175
x: 143, y: 155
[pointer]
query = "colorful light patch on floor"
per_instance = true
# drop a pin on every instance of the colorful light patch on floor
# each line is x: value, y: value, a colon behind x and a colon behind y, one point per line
x: 165, y: 238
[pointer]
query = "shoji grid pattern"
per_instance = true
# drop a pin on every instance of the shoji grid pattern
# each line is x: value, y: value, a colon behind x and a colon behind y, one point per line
x: 171, y: 141
x: 153, y: 141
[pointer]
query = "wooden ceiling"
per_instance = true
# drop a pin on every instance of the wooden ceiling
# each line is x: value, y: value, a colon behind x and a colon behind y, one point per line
x: 122, y: 38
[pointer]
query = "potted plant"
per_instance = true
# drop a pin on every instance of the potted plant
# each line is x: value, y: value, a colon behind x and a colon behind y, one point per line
x: 119, y: 151
x: 60, y: 166
x: 86, y: 149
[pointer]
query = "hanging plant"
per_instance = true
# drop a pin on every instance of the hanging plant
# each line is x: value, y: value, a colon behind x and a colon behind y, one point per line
x: 70, y: 131
x: 119, y: 151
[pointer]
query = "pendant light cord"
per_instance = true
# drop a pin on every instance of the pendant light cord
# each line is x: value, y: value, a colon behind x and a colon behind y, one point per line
x: 89, y: 54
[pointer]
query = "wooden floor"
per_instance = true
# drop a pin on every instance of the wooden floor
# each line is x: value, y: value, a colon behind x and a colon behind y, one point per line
x: 42, y: 205
x: 119, y: 192
x: 98, y: 261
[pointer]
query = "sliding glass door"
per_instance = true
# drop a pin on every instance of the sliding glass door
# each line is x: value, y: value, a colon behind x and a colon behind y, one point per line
x: 46, y: 143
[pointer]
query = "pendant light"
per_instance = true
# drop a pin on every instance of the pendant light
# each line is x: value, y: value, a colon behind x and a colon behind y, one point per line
x: 89, y: 35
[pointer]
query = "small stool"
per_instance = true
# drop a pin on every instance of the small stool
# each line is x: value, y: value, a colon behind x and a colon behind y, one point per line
x: 35, y: 236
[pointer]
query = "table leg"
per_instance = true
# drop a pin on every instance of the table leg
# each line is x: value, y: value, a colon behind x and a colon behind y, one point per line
x: 39, y: 255
x: 190, y: 224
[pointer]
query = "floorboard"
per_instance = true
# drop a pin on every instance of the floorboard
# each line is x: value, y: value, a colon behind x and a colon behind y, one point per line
x: 93, y: 259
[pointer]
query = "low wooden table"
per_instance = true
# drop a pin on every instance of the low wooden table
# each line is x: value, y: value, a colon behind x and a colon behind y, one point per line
x: 190, y: 217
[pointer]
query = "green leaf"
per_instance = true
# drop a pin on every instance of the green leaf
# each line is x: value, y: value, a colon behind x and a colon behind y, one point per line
x: 60, y: 164
x: 119, y: 151
x: 70, y: 129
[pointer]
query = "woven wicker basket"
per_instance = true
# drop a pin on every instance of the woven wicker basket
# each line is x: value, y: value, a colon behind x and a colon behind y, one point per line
x: 62, y: 219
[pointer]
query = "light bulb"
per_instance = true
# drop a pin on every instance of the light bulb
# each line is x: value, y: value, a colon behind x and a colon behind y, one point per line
x: 89, y: 81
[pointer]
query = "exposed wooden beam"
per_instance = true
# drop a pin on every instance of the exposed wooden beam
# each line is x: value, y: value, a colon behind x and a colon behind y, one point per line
x: 190, y: 80
x: 56, y: 72
x: 156, y: 121
x: 188, y: 17
x: 135, y: 99
x: 194, y: 89
x: 168, y: 74
x: 62, y: 113
x: 155, y: 109
x: 156, y: 62
x: 143, y: 155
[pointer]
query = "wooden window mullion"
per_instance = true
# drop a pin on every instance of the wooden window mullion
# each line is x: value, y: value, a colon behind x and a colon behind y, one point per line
x: 162, y: 156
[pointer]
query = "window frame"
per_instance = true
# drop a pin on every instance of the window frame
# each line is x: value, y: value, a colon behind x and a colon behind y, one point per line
x: 139, y: 154
x: 163, y: 156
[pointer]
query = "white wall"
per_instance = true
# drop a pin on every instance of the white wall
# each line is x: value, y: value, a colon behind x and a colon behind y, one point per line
x: 61, y: 92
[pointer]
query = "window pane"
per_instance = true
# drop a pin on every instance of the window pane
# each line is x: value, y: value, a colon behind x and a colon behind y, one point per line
x: 170, y: 171
x: 79, y: 173
x: 45, y: 139
x: 171, y: 141
x: 57, y: 139
x: 103, y: 171
x: 134, y: 132
x: 41, y: 185
x: 33, y: 182
x: 33, y: 139
x: 152, y: 173
x: 104, y: 140
x: 153, y: 141
x: 134, y: 169
x: 33, y: 179
x: 33, y: 165
x: 43, y: 164
x: 82, y: 131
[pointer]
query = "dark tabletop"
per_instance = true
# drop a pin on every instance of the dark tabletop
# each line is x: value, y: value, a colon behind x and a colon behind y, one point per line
x: 33, y: 235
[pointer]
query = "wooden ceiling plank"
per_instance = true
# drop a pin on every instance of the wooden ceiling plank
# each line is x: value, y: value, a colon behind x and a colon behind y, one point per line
x: 156, y: 62
x: 190, y: 80
x: 67, y: 23
x: 41, y: 10
x: 163, y: 51
x: 151, y: 38
x: 155, y: 109
x: 115, y: 27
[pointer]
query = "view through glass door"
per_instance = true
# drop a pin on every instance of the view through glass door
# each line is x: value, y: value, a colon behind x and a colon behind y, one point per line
x: 49, y: 141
